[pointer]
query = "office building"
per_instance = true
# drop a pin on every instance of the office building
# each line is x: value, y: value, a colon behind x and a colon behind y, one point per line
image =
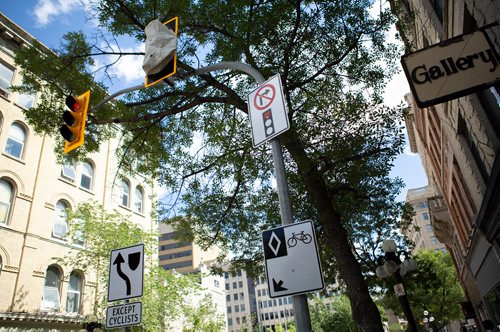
x: 459, y: 141
x: 38, y: 291
x: 421, y: 230
x: 241, y: 304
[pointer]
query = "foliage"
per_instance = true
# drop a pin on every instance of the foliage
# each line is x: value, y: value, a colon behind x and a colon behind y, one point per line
x: 203, y: 317
x: 336, y: 317
x: 102, y: 232
x: 434, y: 287
x: 193, y: 136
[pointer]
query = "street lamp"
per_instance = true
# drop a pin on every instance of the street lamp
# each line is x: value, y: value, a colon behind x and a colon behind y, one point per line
x: 391, y: 264
x: 428, y: 321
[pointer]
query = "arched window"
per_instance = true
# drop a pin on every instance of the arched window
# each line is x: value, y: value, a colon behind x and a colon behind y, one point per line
x: 68, y: 172
x: 74, y: 293
x: 124, y: 193
x: 15, y: 141
x: 52, y: 286
x: 61, y: 220
x: 139, y: 200
x: 87, y: 176
x: 6, y: 198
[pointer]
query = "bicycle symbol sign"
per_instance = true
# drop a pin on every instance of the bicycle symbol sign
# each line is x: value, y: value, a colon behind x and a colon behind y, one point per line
x: 292, y: 260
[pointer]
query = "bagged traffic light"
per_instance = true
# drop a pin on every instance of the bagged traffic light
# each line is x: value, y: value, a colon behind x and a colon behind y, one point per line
x: 74, y: 129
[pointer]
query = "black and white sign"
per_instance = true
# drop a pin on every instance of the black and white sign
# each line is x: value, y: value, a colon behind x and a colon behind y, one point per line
x: 126, y: 270
x: 399, y: 290
x: 451, y: 69
x: 121, y: 315
x: 292, y: 260
x: 267, y: 111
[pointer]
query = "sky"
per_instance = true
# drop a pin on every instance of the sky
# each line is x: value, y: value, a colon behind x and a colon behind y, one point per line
x: 48, y: 20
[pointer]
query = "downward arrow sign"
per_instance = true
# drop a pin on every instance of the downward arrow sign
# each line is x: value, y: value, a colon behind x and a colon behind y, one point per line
x: 277, y: 286
x: 118, y: 261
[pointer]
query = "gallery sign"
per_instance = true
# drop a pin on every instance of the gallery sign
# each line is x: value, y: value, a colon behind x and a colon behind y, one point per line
x: 451, y: 69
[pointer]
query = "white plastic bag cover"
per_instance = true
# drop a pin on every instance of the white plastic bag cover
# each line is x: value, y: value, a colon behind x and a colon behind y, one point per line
x: 161, y: 43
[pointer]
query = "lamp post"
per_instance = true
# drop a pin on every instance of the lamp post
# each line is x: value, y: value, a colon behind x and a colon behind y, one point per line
x: 428, y: 321
x: 391, y: 264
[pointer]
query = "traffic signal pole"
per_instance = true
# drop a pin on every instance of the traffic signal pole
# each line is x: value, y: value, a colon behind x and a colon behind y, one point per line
x: 302, y: 317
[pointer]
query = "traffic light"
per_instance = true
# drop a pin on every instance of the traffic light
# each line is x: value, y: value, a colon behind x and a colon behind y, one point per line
x: 267, y: 118
x: 169, y: 68
x: 74, y: 129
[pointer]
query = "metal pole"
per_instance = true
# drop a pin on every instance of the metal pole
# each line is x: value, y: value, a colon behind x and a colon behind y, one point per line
x: 406, y: 305
x: 302, y: 317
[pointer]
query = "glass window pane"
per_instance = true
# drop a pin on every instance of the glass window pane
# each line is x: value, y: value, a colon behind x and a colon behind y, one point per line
x: 124, y: 193
x: 68, y: 171
x: 26, y: 101
x: 74, y: 291
x: 15, y: 141
x: 50, y: 298
x: 138, y: 200
x: 5, y: 77
x: 87, y: 174
x: 60, y: 223
x: 6, y: 193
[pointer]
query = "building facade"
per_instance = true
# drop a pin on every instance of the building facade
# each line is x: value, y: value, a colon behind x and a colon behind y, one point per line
x: 272, y: 312
x: 241, y: 304
x: 421, y: 231
x: 459, y: 142
x: 35, y: 193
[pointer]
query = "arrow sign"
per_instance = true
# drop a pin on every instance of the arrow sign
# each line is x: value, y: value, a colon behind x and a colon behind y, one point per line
x: 126, y: 270
x: 277, y: 286
x: 118, y: 261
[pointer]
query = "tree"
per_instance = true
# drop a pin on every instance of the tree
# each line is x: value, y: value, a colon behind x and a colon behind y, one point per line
x: 203, y: 317
x: 193, y: 137
x: 100, y: 232
x: 434, y: 287
x: 336, y: 317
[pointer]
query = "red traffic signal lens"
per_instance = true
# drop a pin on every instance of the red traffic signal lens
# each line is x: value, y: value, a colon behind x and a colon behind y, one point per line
x: 72, y: 103
x: 67, y: 133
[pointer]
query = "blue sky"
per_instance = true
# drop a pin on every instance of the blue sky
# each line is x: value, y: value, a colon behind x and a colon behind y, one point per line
x: 48, y: 20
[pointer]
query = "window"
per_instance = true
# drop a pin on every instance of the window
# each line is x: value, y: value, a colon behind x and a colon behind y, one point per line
x: 138, y: 200
x: 15, y: 141
x: 235, y: 296
x: 216, y: 283
x: 6, y: 197
x: 226, y: 275
x: 26, y: 100
x: 87, y: 176
x: 230, y: 321
x: 228, y: 298
x: 68, y: 172
x: 227, y: 286
x: 428, y: 227
x: 61, y: 220
x: 258, y: 292
x: 241, y: 296
x: 50, y: 299
x: 423, y: 205
x: 425, y: 215
x: 6, y: 75
x: 242, y: 308
x: 239, y: 273
x: 240, y: 284
x: 236, y: 308
x: 228, y: 309
x: 434, y: 240
x: 74, y: 293
x: 125, y: 193
x: 234, y: 285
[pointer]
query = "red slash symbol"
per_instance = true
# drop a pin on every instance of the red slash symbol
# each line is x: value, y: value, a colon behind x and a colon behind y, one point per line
x: 264, y: 97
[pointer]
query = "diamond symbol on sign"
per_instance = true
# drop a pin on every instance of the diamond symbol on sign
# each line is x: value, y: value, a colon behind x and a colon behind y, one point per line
x: 278, y: 243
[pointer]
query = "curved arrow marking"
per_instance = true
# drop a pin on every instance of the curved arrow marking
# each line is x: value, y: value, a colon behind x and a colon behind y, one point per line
x: 118, y: 262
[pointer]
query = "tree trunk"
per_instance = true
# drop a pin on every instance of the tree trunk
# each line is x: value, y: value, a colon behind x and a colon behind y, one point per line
x: 364, y: 311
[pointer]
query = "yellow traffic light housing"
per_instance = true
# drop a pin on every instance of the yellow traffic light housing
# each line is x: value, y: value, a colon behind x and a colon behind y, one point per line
x: 170, y: 67
x: 74, y: 129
